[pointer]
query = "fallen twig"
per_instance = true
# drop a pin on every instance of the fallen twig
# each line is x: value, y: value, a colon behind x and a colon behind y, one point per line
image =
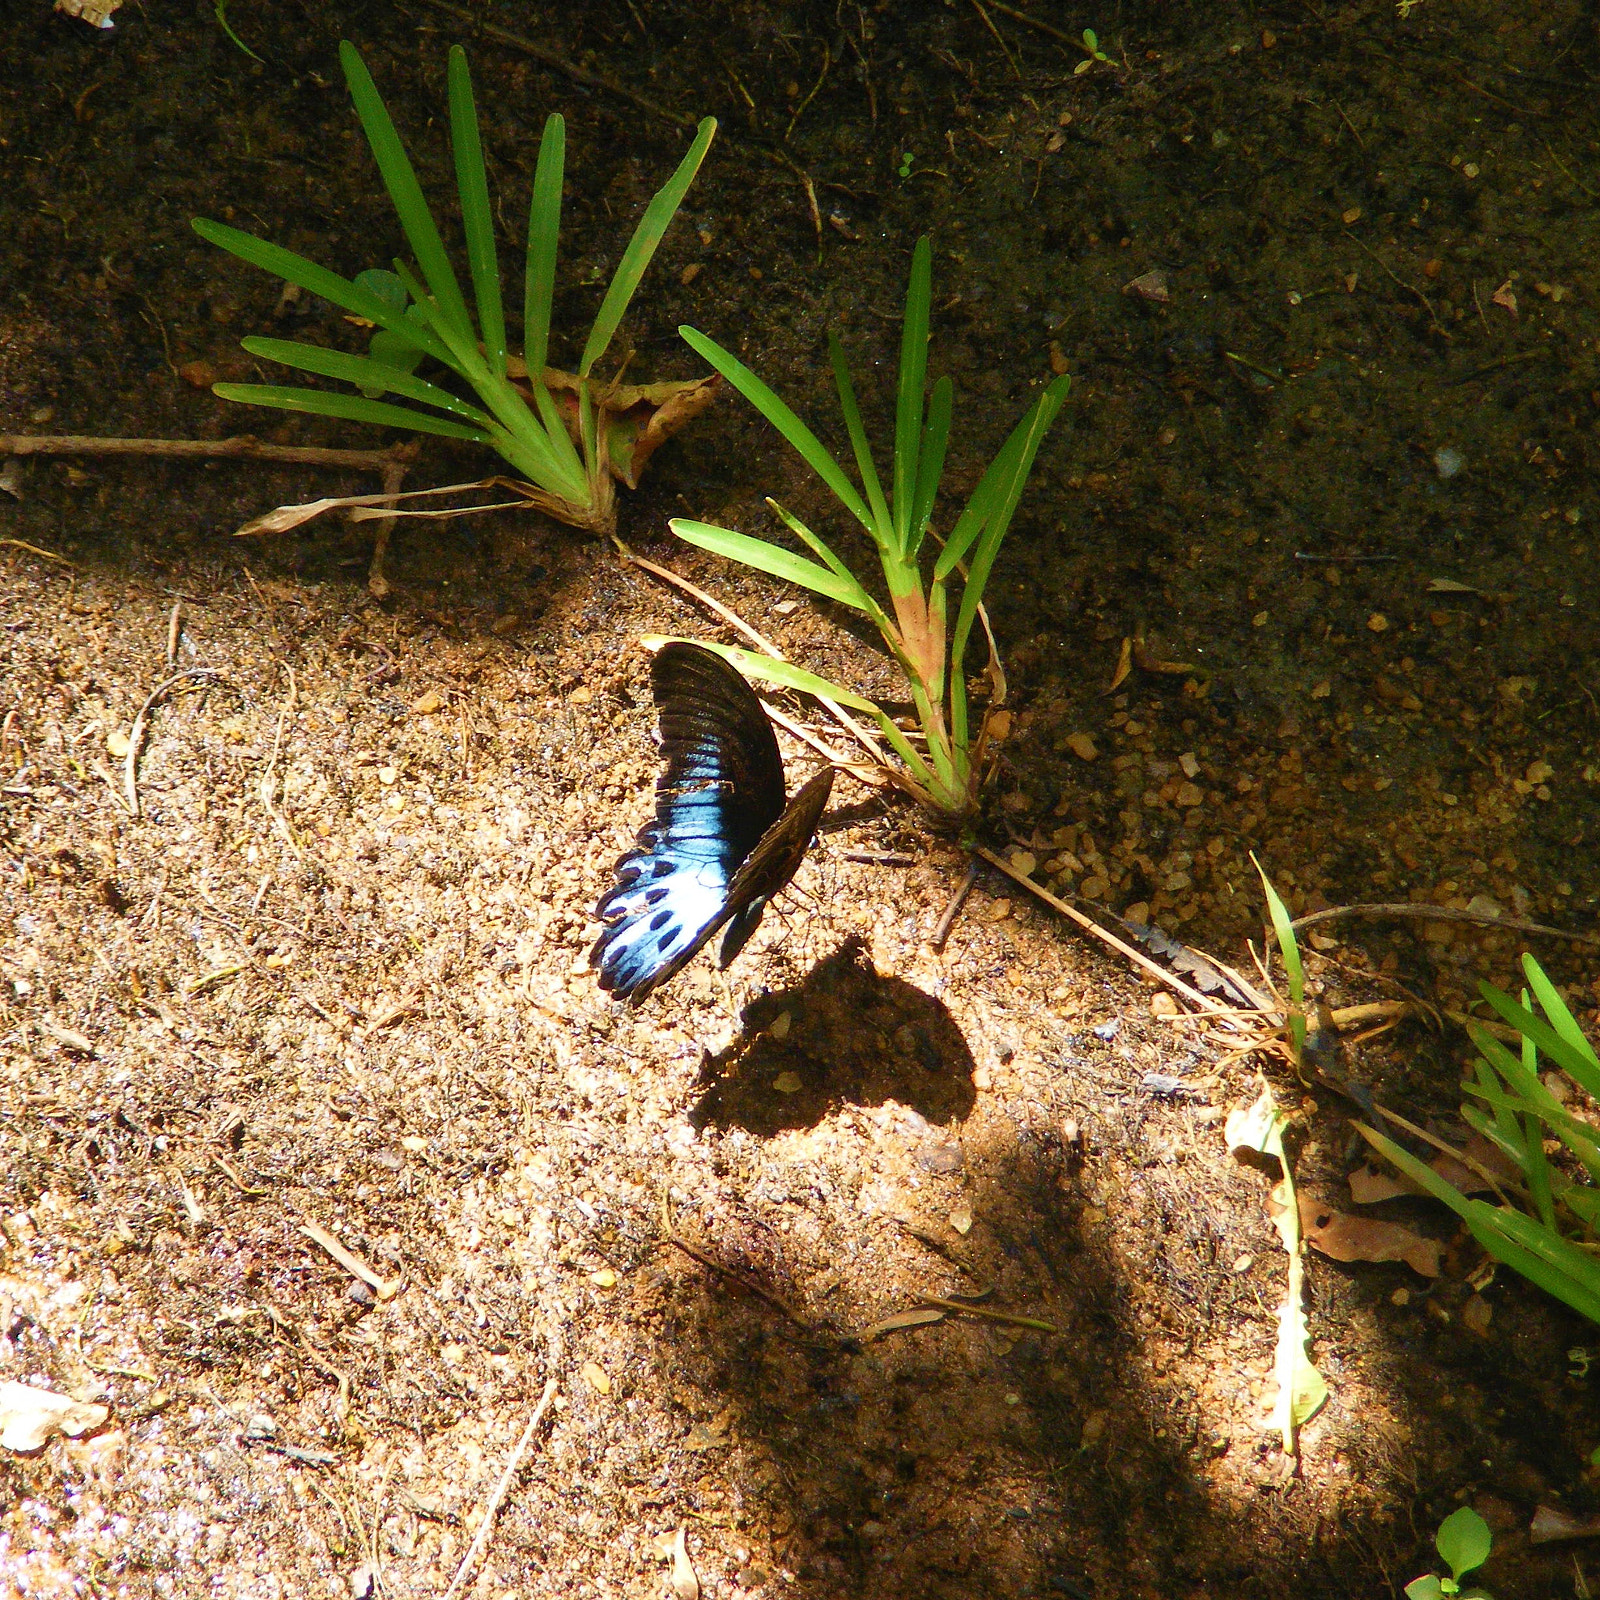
x: 130, y: 768
x: 242, y: 445
x: 481, y: 1539
x: 35, y: 550
x: 706, y: 1259
x: 953, y: 909
x: 269, y: 779
x: 353, y: 1264
x: 1093, y: 928
x: 968, y: 1309
x: 1426, y: 913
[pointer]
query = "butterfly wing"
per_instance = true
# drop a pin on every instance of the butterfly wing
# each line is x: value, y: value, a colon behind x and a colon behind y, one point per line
x: 773, y: 862
x: 719, y: 795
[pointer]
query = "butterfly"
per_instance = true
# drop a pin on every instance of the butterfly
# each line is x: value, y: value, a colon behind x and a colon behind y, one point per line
x: 723, y: 841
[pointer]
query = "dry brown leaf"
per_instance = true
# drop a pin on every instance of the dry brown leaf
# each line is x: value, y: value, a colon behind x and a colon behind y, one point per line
x: 1346, y: 1238
x: 903, y: 1319
x: 1370, y: 1183
x: 97, y: 13
x: 1551, y: 1523
x: 1124, y: 665
x: 29, y: 1417
x: 685, y: 1583
x: 635, y: 418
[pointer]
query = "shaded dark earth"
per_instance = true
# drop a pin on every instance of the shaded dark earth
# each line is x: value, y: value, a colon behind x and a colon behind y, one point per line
x: 1333, y: 467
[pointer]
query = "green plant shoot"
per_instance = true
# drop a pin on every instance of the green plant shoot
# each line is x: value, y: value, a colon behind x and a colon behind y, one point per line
x: 1542, y: 1237
x: 1289, y: 949
x: 570, y: 436
x: 1463, y: 1542
x: 940, y: 759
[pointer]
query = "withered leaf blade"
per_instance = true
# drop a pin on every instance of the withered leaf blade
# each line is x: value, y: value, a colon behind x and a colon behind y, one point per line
x: 1342, y: 1237
x: 29, y: 1416
x: 903, y: 1319
x: 283, y: 518
x: 635, y: 419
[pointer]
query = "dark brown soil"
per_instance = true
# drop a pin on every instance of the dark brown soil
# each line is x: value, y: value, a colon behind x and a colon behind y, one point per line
x: 334, y: 972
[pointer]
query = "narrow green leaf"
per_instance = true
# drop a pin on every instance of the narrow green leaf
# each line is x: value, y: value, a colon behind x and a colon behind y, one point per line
x: 930, y: 461
x: 317, y: 280
x: 882, y: 525
x: 363, y: 372
x: 642, y: 246
x: 809, y: 446
x: 1576, y: 1059
x: 348, y: 407
x: 1289, y: 948
x: 769, y: 558
x: 1555, y: 1008
x: 1536, y: 1167
x: 472, y: 183
x: 544, y: 232
x: 913, y: 377
x: 862, y: 601
x: 400, y: 179
x: 1018, y: 452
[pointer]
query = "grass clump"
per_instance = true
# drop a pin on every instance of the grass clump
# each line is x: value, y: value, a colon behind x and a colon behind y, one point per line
x: 939, y: 758
x: 569, y: 435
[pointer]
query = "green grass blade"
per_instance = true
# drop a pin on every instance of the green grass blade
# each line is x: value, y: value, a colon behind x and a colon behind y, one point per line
x: 1577, y: 1060
x: 1289, y: 948
x: 1005, y: 478
x: 1021, y: 448
x: 400, y: 179
x: 642, y: 246
x: 364, y: 373
x: 296, y: 269
x: 472, y: 183
x: 347, y: 407
x: 809, y: 446
x: 930, y: 461
x: 1536, y: 1167
x: 913, y: 378
x: 863, y: 600
x: 1562, y: 1268
x: 769, y: 558
x: 865, y: 465
x: 1555, y: 1008
x: 544, y: 233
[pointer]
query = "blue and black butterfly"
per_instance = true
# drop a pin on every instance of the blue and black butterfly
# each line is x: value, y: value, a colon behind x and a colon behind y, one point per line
x: 723, y: 841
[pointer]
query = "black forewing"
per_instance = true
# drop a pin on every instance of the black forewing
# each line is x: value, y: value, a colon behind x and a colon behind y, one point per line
x: 721, y: 791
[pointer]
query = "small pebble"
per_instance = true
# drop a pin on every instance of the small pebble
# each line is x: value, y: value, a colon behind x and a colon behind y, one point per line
x: 1449, y: 462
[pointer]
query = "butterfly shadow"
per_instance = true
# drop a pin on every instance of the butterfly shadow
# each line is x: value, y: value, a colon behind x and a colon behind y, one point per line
x: 852, y: 1037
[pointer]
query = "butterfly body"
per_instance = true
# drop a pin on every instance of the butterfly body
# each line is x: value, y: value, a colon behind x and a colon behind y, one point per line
x: 722, y: 842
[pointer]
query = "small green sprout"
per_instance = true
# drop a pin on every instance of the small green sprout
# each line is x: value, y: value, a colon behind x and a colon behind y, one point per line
x: 906, y: 158
x: 1091, y: 43
x: 1463, y: 1540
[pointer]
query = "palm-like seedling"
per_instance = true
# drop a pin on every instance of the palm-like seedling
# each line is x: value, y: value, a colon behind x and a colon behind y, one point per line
x: 939, y: 756
x: 569, y: 453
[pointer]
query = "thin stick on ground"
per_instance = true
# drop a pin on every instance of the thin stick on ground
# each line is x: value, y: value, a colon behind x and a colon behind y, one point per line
x: 130, y: 767
x: 269, y: 779
x: 1093, y: 928
x: 953, y: 910
x: 242, y: 446
x: 486, y: 1527
x: 1426, y: 913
